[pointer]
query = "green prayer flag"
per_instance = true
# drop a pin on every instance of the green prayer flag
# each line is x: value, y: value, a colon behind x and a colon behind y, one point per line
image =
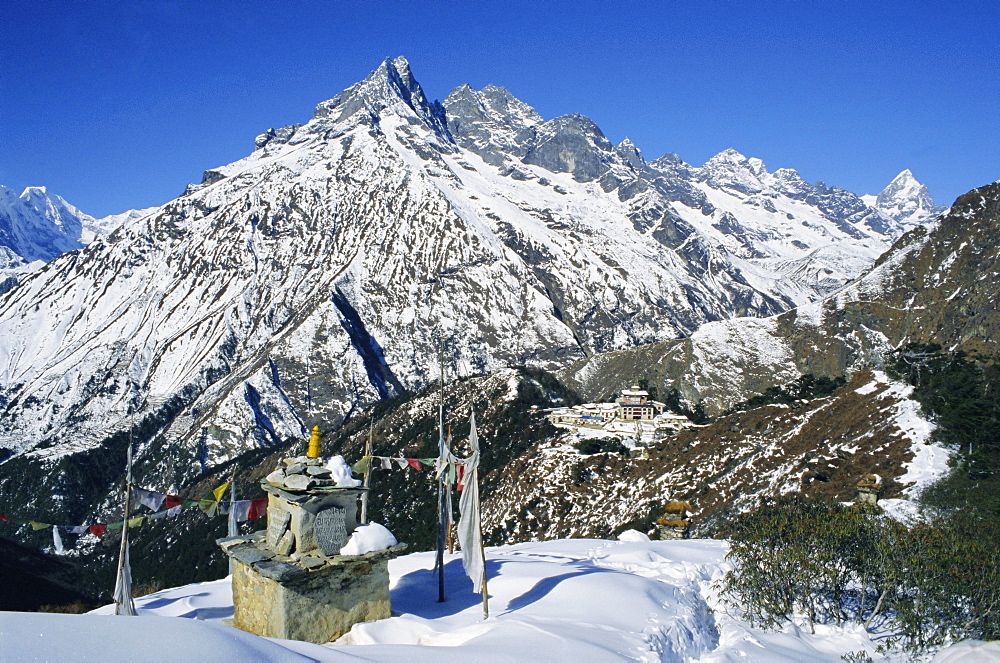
x: 362, y: 466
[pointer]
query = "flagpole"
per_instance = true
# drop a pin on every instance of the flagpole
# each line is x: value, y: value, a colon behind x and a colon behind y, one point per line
x: 368, y: 474
x: 450, y: 504
x: 123, y: 582
x: 233, y: 530
x: 486, y: 593
x: 441, y: 512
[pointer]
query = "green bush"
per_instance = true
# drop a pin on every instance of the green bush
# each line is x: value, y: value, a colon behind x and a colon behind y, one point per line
x: 831, y: 563
x: 597, y: 445
x: 806, y: 387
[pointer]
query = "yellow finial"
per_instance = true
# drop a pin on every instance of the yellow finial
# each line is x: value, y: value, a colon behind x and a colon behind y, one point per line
x: 313, y: 451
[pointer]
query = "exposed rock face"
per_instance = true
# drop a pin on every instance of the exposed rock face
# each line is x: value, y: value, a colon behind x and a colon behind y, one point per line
x: 319, y: 602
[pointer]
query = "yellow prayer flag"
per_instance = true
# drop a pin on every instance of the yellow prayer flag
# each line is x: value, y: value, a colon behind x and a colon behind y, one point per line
x: 137, y: 521
x: 38, y: 526
x: 220, y: 491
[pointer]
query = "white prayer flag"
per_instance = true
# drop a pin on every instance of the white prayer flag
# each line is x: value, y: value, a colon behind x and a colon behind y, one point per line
x: 148, y: 498
x: 124, y: 605
x: 57, y: 540
x: 469, y: 534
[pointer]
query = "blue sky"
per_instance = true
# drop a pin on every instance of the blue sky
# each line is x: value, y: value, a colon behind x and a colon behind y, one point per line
x: 118, y: 105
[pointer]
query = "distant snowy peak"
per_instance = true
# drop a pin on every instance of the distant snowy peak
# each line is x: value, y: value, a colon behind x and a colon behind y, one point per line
x: 37, y: 225
x: 108, y: 224
x: 906, y: 201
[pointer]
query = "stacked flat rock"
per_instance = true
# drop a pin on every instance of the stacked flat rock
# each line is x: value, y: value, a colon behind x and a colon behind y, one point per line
x: 301, y: 473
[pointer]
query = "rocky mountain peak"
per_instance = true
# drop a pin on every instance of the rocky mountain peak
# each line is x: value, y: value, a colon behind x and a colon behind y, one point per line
x: 906, y: 200
x: 390, y: 86
x: 731, y: 169
x: 630, y: 153
x: 491, y: 122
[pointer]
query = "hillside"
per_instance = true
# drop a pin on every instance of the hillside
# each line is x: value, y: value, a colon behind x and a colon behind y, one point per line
x: 936, y: 285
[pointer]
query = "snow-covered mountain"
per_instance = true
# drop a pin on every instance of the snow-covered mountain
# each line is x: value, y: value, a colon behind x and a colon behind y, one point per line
x: 905, y: 200
x: 38, y: 226
x: 333, y: 265
x: 938, y: 284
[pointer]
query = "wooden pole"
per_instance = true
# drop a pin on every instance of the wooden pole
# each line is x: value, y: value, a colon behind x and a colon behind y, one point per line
x: 442, y: 516
x: 486, y: 593
x: 368, y: 475
x: 233, y: 530
x: 448, y: 489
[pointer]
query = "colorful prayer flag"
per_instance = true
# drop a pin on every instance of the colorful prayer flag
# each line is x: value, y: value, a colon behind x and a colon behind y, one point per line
x: 258, y: 508
x: 220, y: 491
x: 97, y: 530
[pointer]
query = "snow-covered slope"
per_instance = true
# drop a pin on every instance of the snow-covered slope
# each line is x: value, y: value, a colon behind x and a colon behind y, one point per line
x: 580, y: 600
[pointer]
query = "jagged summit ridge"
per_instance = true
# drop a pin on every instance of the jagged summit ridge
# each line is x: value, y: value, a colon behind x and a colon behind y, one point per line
x: 907, y: 200
x: 391, y: 86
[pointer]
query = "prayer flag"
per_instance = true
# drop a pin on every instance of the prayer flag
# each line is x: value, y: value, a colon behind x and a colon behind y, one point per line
x: 37, y: 526
x: 138, y: 521
x: 361, y: 467
x: 79, y: 529
x: 97, y: 530
x: 386, y: 463
x: 258, y: 508
x: 402, y: 462
x: 175, y: 511
x: 469, y: 528
x: 172, y: 500
x: 414, y: 463
x: 124, y: 605
x: 148, y: 498
x: 117, y: 525
x: 240, y: 511
x: 220, y: 491
x: 57, y: 541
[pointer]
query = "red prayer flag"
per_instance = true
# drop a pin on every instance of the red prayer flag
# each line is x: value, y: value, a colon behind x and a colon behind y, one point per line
x: 98, y: 530
x: 258, y: 508
x: 460, y: 469
x: 3, y: 517
x: 172, y: 500
x: 414, y: 463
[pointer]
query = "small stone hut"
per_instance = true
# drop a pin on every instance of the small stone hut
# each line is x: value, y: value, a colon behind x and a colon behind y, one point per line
x: 869, y: 488
x: 290, y: 581
x: 674, y: 524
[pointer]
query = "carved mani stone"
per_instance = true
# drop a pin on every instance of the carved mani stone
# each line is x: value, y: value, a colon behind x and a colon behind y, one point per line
x: 277, y: 525
x: 331, y: 531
